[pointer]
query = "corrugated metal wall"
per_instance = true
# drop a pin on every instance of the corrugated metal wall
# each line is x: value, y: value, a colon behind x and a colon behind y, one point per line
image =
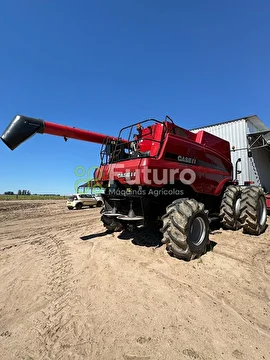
x: 262, y: 164
x: 236, y: 133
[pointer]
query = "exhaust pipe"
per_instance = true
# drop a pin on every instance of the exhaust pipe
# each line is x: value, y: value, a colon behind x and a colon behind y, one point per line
x: 20, y: 129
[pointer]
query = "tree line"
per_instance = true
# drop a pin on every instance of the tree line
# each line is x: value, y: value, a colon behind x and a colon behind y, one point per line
x: 20, y: 192
x: 27, y: 192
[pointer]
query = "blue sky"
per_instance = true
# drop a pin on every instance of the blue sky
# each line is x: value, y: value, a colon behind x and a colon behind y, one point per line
x: 101, y: 65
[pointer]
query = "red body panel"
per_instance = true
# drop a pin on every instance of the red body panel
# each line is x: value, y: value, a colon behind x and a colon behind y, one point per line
x: 208, y: 181
x: 268, y: 202
x: 215, y: 143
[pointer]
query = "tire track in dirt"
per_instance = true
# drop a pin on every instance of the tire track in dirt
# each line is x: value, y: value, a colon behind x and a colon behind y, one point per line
x: 58, y: 330
x: 261, y: 260
x: 197, y: 289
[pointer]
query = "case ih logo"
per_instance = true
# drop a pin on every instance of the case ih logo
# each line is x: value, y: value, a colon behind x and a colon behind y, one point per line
x: 186, y: 160
x: 180, y: 158
x: 150, y: 176
x: 135, y: 177
x: 127, y: 174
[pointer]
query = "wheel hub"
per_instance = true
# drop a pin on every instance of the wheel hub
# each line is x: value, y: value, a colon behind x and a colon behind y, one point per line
x: 197, y: 231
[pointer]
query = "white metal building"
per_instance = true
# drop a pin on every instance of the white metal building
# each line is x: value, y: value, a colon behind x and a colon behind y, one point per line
x: 250, y: 139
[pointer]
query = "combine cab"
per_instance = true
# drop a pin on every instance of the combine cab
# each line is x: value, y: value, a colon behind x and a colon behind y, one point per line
x: 157, y: 173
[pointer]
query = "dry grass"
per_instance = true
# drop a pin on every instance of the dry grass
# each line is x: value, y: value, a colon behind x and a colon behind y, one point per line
x: 32, y: 197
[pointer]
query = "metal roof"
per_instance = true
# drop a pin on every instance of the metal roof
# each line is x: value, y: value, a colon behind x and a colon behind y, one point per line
x: 253, y: 119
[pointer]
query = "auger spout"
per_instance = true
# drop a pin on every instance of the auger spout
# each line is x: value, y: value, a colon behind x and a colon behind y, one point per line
x: 23, y: 127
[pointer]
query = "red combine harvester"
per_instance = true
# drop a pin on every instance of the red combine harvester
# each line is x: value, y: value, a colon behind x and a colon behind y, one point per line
x: 156, y: 172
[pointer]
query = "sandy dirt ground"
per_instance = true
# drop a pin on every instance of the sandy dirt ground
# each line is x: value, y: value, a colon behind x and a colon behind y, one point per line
x: 70, y: 291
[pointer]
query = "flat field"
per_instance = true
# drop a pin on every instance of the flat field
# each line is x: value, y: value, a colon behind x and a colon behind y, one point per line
x: 71, y: 291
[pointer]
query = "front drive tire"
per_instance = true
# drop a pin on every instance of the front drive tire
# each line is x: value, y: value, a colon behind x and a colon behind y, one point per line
x: 185, y: 229
x: 79, y: 206
x: 253, y: 210
x: 230, y: 208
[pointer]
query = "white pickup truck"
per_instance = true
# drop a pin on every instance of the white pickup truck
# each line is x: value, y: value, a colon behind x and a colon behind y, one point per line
x: 77, y: 201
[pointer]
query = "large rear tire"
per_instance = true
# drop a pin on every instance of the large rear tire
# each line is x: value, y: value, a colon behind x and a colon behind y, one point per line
x: 185, y: 229
x: 253, y: 210
x: 230, y: 208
